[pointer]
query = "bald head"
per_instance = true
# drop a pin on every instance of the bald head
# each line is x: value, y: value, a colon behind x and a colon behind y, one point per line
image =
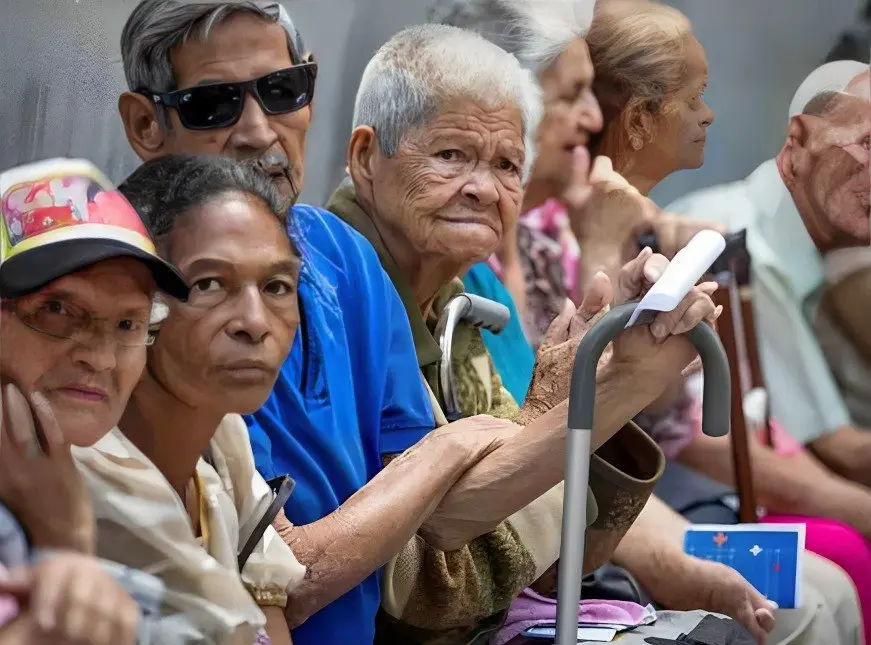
x: 860, y: 86
x: 825, y: 162
x: 827, y: 101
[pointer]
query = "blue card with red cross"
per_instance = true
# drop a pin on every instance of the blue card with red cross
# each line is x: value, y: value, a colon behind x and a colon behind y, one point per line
x: 767, y: 555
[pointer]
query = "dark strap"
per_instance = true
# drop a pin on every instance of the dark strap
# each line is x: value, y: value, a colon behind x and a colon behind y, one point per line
x: 282, y: 487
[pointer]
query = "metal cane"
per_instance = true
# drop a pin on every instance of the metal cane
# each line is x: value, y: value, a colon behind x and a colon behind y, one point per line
x: 582, y: 399
x: 474, y: 310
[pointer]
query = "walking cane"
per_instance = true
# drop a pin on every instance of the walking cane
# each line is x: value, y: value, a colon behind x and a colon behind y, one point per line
x: 580, y: 423
x: 476, y: 311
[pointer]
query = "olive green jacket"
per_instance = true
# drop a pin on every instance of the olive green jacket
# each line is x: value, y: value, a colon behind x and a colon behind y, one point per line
x: 438, y: 598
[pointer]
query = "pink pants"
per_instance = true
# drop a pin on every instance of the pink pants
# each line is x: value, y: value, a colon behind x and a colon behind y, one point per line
x: 842, y: 545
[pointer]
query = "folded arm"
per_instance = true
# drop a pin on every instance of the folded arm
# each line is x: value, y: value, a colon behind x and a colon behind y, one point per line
x: 344, y: 548
x: 529, y: 463
x: 636, y: 373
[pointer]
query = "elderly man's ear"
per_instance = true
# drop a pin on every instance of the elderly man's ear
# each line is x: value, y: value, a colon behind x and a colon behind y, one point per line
x: 141, y: 125
x: 793, y: 152
x: 362, y: 150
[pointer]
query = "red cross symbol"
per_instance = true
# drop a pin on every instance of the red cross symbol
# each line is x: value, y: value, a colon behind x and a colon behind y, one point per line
x: 720, y: 539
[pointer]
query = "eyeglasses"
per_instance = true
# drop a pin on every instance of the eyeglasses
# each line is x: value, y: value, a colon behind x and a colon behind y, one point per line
x: 220, y: 105
x: 67, y: 321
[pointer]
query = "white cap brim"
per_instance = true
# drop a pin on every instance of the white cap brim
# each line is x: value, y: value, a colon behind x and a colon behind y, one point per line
x: 831, y: 77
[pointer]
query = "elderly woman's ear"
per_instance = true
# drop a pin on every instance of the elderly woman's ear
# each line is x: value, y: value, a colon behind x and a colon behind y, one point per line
x: 639, y: 124
x: 362, y: 150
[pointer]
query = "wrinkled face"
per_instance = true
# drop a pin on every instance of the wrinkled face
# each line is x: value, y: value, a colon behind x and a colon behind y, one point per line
x: 242, y: 48
x: 455, y: 185
x: 87, y: 380
x: 680, y: 129
x: 829, y: 158
x: 224, y: 347
x: 571, y: 112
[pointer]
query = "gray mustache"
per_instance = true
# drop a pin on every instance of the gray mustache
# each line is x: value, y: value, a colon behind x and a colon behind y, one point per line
x: 272, y: 160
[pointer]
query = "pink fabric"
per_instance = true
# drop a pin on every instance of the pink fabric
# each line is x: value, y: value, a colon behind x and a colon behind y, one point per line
x: 8, y: 605
x: 552, y: 219
x: 262, y: 638
x: 674, y: 431
x: 676, y: 428
x: 842, y: 545
x: 783, y: 443
x: 530, y: 609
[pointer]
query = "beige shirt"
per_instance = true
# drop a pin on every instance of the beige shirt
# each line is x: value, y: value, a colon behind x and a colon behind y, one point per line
x: 143, y: 524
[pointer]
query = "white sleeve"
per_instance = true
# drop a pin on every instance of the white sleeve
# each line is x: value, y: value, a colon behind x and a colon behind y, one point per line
x: 272, y: 569
x: 804, y: 395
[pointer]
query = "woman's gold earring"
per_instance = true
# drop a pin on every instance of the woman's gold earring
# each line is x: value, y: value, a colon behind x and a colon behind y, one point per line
x: 635, y: 142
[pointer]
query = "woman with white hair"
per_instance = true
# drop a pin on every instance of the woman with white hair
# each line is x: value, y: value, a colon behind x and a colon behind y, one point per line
x: 444, y: 122
x: 554, y: 262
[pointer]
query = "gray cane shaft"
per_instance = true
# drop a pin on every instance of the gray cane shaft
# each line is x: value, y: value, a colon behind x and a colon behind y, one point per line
x: 571, y: 566
x: 582, y: 399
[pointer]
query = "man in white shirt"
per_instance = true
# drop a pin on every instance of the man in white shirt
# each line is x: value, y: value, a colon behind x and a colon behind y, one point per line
x: 810, y: 200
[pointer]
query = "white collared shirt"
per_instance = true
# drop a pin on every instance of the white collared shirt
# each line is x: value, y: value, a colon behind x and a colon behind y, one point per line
x: 788, y: 275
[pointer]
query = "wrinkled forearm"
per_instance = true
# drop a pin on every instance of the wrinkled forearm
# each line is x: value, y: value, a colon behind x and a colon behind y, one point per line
x: 530, y: 463
x: 344, y: 548
x: 847, y: 452
x: 652, y: 551
x: 797, y: 484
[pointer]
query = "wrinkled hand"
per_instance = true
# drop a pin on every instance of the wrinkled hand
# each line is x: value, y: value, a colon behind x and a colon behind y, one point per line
x: 660, y: 351
x: 724, y: 591
x: 607, y: 211
x: 555, y: 360
x: 74, y: 601
x: 673, y: 231
x: 44, y: 491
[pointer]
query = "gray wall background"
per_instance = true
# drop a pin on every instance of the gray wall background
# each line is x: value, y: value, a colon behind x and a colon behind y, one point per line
x: 61, y: 76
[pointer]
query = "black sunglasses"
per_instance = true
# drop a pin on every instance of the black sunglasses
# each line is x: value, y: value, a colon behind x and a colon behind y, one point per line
x: 205, y: 107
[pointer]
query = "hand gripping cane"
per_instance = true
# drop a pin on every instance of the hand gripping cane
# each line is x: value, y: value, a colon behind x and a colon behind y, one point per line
x: 582, y: 400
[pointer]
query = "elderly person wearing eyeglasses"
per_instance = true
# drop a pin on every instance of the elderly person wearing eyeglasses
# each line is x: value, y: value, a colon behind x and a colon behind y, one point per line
x: 78, y: 273
x: 441, y: 147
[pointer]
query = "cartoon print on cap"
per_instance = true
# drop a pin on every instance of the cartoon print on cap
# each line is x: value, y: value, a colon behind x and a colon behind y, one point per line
x: 33, y: 208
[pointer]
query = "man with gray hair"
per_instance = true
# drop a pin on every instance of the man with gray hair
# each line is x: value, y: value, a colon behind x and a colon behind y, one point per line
x: 234, y: 78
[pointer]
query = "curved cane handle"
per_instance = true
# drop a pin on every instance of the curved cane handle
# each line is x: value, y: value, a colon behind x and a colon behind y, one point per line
x: 582, y: 401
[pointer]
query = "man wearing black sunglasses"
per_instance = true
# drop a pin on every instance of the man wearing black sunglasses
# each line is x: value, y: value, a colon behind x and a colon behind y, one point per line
x: 253, y: 107
x: 233, y: 78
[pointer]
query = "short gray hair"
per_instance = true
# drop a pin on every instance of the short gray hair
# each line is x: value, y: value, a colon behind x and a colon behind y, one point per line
x: 421, y: 68
x: 822, y: 103
x: 156, y: 26
x: 535, y: 31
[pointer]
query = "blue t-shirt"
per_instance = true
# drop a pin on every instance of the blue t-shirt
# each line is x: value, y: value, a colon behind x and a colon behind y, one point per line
x: 511, y: 352
x: 350, y: 392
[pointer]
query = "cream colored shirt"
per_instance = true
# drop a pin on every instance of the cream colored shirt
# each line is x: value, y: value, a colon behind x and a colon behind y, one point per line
x: 143, y: 524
